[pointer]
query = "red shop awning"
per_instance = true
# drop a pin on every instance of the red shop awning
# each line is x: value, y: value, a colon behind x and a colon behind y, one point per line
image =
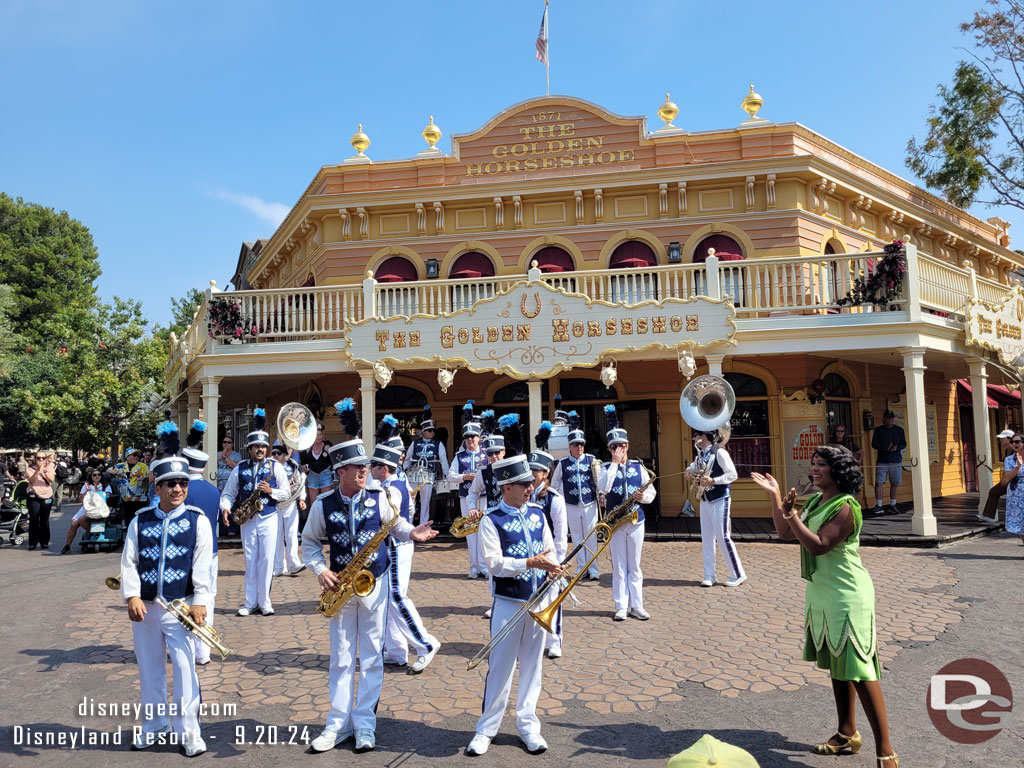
x: 998, y: 396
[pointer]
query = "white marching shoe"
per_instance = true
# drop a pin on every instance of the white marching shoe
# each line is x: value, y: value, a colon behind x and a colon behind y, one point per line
x: 737, y: 581
x: 619, y: 615
x: 194, y: 744
x: 365, y: 740
x: 639, y: 613
x: 534, y: 742
x: 554, y: 652
x: 478, y: 745
x: 708, y: 583
x: 329, y: 739
x: 423, y: 662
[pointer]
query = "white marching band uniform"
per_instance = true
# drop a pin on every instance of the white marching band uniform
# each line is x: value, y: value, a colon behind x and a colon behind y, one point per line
x: 555, y: 514
x: 574, y: 478
x: 618, y: 482
x: 287, y: 559
x: 161, y: 551
x: 715, y: 524
x: 433, y: 451
x: 357, y: 630
x: 260, y: 534
x: 467, y: 461
x: 204, y: 495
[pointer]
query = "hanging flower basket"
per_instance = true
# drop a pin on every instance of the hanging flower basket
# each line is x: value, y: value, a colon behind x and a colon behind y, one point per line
x: 884, y: 284
x: 225, y: 320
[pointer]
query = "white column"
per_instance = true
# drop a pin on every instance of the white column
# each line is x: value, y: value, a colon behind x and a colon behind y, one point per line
x: 715, y: 364
x: 194, y: 396
x: 211, y: 394
x: 917, y: 441
x: 912, y: 284
x: 534, y: 387
x: 982, y: 435
x: 368, y: 401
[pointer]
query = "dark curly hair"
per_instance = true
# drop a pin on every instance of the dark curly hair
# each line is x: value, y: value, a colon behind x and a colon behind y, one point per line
x: 844, y: 468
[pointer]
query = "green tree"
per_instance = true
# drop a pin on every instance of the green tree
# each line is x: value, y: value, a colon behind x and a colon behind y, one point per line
x: 974, y: 150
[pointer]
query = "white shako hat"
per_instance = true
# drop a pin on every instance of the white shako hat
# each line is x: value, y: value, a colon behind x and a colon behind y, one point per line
x: 539, y: 456
x: 514, y: 469
x: 170, y: 464
x: 575, y: 433
x: 426, y: 422
x: 383, y: 451
x: 197, y: 458
x: 258, y: 435
x: 616, y: 435
x: 351, y: 451
x: 471, y: 426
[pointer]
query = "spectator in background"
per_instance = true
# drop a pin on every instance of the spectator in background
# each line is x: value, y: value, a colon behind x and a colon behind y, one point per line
x: 226, y: 461
x: 996, y: 492
x: 1014, y: 487
x: 316, y: 463
x: 40, y: 501
x: 842, y: 437
x: 889, y: 441
x: 23, y: 461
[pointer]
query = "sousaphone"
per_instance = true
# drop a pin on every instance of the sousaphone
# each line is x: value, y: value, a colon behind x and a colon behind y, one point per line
x: 706, y: 405
x: 296, y: 428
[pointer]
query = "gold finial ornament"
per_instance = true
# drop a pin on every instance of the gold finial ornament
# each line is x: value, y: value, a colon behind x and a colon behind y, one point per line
x: 752, y: 103
x: 431, y: 134
x: 668, y: 111
x: 360, y: 141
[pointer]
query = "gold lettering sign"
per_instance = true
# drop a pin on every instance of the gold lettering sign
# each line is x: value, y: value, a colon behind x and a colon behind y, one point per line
x: 999, y: 327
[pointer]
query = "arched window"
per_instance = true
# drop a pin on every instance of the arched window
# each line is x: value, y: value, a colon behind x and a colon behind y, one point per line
x: 633, y: 285
x: 726, y: 249
x: 750, y: 442
x: 730, y: 277
x: 553, y: 259
x: 393, y: 298
x: 839, y: 406
x: 470, y: 266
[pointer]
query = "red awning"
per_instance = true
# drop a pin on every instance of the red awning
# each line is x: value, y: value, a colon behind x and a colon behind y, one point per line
x: 1003, y: 395
x: 631, y: 264
x: 466, y: 274
x: 722, y: 256
x: 472, y: 264
x: 998, y: 395
x: 632, y: 254
x: 553, y: 259
x: 395, y: 270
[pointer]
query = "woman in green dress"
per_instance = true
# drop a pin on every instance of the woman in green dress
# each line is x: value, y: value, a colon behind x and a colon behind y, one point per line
x: 839, y: 613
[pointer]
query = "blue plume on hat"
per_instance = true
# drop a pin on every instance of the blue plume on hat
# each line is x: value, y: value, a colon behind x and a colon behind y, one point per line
x: 348, y: 417
x: 558, y: 402
x: 487, y: 417
x: 259, y: 420
x: 467, y: 412
x: 612, y: 416
x: 426, y: 414
x: 195, y: 434
x: 574, y: 420
x: 385, y: 428
x: 508, y: 426
x: 170, y: 442
x: 543, y: 435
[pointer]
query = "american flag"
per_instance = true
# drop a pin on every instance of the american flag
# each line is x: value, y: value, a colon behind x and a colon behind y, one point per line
x: 542, y: 38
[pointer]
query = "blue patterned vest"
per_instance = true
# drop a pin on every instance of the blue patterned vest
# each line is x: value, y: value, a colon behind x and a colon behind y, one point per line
x: 627, y: 480
x: 166, y: 545
x: 490, y: 487
x: 545, y: 504
x: 405, y: 506
x: 578, y: 480
x: 429, y: 450
x: 247, y: 481
x: 348, y: 534
x: 521, y: 535
x: 469, y: 462
x: 715, y: 492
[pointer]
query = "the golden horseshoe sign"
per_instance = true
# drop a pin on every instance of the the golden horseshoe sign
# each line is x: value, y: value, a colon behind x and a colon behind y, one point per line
x: 522, y: 306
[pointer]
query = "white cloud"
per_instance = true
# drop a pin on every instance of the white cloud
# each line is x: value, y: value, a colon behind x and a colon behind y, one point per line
x: 272, y: 213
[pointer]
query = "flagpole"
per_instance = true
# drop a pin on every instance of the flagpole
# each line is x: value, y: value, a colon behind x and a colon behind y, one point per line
x: 547, y: 59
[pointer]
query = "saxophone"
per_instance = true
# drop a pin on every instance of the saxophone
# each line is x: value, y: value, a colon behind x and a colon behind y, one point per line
x: 253, y: 504
x: 354, y: 578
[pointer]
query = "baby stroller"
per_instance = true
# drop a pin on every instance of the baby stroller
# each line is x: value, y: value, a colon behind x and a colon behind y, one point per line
x: 103, y: 530
x: 14, y: 512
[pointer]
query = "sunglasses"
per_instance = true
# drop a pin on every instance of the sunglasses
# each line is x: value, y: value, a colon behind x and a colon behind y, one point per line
x: 175, y: 483
x: 1016, y: 442
x: 227, y: 442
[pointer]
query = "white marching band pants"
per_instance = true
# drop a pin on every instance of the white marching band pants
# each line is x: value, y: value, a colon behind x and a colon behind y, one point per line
x: 716, y: 528
x: 259, y: 541
x: 425, y: 494
x: 472, y: 540
x: 581, y: 519
x: 156, y: 637
x: 357, y: 628
x: 404, y: 625
x: 627, y: 578
x: 201, y: 648
x: 287, y: 558
x: 525, y: 643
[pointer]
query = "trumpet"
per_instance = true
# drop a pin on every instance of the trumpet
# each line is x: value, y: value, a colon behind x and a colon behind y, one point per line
x: 113, y: 582
x: 179, y: 610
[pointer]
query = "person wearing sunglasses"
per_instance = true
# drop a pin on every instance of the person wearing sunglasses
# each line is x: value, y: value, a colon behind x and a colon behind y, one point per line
x: 94, y: 484
x: 997, y: 491
x: 841, y: 436
x: 1014, y: 487
x: 167, y: 555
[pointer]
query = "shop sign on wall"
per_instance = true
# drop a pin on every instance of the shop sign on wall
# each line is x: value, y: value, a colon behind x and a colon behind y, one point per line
x: 803, y: 430
x: 999, y: 327
x: 931, y: 419
x: 533, y: 330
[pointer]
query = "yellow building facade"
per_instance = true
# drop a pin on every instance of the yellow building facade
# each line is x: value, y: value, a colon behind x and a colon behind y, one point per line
x: 410, y: 282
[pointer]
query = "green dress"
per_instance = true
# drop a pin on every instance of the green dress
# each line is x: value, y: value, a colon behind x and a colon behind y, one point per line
x: 839, y: 621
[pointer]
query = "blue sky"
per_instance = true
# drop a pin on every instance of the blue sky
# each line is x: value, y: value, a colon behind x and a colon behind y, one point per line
x: 175, y: 131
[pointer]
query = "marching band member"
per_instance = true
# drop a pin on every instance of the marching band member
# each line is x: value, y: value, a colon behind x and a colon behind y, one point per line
x: 348, y: 517
x: 574, y: 476
x: 485, y: 484
x: 516, y: 546
x: 203, y: 495
x: 287, y: 559
x: 261, y: 532
x: 167, y: 554
x: 463, y: 471
x: 715, y: 526
x: 404, y: 625
x: 432, y: 452
x: 621, y: 479
x: 551, y: 501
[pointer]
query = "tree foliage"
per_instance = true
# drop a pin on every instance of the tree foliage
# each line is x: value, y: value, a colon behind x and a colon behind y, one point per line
x: 974, y: 150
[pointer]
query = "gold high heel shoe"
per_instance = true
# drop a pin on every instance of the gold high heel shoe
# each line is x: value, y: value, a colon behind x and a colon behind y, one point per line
x: 893, y: 757
x: 852, y: 743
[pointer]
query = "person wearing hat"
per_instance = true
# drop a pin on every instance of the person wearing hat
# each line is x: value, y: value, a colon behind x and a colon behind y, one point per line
x: 431, y: 451
x: 997, y: 491
x: 261, y: 532
x: 621, y: 479
x: 517, y: 549
x: 574, y: 477
x: 133, y: 475
x: 551, y: 501
x: 167, y: 555
x: 484, y: 487
x: 203, y: 495
x: 348, y: 517
x: 889, y: 441
x: 287, y: 559
x: 715, y: 527
x: 463, y: 471
x: 404, y: 625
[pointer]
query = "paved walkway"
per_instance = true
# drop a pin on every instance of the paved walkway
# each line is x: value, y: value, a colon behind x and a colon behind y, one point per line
x: 721, y: 660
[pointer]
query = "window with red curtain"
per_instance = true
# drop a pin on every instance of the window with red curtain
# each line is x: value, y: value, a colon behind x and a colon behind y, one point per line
x: 553, y: 259
x: 632, y: 254
x: 396, y: 269
x: 470, y: 265
x: 726, y: 249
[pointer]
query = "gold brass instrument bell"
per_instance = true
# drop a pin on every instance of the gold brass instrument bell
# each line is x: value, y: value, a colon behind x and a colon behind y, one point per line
x: 113, y: 582
x: 706, y: 405
x: 179, y: 609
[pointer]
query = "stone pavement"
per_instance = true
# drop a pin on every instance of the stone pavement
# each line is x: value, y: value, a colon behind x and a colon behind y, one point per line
x: 720, y: 660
